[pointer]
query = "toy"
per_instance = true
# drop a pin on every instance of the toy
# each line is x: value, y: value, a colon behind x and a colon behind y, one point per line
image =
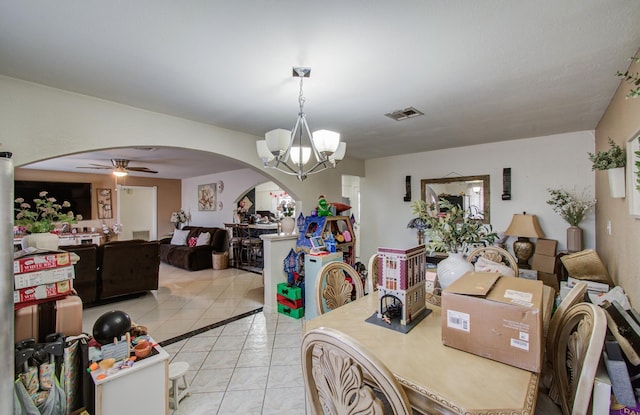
x: 401, y: 284
x: 324, y: 207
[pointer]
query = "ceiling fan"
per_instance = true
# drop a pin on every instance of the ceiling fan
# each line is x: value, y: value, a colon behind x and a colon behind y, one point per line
x: 120, y: 167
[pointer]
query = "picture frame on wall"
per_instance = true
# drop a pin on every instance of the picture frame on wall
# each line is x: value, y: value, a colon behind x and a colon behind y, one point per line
x: 105, y: 206
x: 633, y: 194
x: 207, y: 197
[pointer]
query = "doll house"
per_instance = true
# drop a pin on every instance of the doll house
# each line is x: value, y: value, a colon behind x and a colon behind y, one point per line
x: 401, y: 283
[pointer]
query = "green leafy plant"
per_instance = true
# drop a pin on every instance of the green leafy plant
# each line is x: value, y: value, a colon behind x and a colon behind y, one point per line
x: 453, y: 229
x: 631, y: 78
x: 572, y: 207
x: 47, y: 213
x: 613, y: 158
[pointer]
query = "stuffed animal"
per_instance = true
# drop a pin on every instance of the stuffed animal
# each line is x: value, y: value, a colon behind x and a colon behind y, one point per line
x: 324, y: 207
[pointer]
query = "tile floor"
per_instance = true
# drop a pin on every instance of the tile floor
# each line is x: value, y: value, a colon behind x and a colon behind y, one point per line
x: 248, y: 366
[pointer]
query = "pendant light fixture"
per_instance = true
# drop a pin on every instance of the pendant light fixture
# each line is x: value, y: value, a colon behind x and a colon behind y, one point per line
x: 289, y: 151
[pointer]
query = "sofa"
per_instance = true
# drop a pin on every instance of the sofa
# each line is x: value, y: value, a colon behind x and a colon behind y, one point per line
x: 115, y: 269
x: 189, y: 249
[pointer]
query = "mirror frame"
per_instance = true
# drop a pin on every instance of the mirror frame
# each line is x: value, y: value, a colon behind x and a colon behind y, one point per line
x: 486, y: 190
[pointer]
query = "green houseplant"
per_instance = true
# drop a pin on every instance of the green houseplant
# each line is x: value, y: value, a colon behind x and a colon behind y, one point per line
x: 613, y: 161
x: 46, y: 214
x: 453, y: 229
x: 631, y: 78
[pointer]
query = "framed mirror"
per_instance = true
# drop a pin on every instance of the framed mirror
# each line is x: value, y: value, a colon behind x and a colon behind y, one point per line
x: 470, y: 192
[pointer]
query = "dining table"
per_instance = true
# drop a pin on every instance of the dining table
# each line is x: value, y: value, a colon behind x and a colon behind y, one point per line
x: 436, y: 378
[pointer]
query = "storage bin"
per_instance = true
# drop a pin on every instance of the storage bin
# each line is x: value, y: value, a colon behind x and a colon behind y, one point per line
x: 291, y: 312
x: 220, y: 260
x: 289, y: 291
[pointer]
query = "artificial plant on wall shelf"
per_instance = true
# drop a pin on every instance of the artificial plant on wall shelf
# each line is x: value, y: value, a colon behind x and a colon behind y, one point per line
x: 613, y: 160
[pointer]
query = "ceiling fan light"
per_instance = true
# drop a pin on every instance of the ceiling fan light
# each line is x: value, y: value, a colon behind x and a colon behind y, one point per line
x: 326, y: 141
x: 278, y: 140
x: 295, y: 154
x: 119, y: 172
x: 263, y: 151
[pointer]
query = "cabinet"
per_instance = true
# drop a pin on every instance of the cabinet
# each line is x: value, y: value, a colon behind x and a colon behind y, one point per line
x: 312, y: 266
x: 146, y: 382
x: 338, y: 228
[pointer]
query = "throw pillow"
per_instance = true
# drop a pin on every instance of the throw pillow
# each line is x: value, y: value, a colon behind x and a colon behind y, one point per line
x: 192, y: 241
x: 179, y: 237
x: 203, y: 239
x: 485, y: 265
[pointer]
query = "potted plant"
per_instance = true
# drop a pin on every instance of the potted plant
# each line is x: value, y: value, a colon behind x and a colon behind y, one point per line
x: 614, y: 161
x: 420, y: 223
x: 41, y: 220
x: 453, y: 230
x: 573, y: 208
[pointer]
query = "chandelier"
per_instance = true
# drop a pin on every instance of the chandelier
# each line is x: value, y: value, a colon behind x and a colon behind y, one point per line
x: 284, y: 150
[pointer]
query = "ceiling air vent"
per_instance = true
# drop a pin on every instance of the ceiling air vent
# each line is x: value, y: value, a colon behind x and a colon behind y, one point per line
x: 404, y: 114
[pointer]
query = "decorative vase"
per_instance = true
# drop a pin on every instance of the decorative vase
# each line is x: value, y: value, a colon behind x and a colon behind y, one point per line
x: 451, y: 268
x: 616, y: 182
x: 288, y: 225
x: 46, y: 240
x: 574, y: 239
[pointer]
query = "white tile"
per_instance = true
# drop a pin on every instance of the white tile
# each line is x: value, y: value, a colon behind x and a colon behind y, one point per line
x: 249, y: 378
x: 254, y: 358
x: 199, y: 404
x: 221, y: 359
x: 285, y: 376
x: 289, y: 400
x: 242, y: 402
x: 211, y: 380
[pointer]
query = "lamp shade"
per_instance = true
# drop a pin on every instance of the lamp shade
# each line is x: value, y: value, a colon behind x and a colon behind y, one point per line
x: 523, y: 225
x: 339, y: 153
x: 278, y: 140
x: 119, y: 172
x: 326, y: 141
x: 263, y: 151
x: 295, y: 154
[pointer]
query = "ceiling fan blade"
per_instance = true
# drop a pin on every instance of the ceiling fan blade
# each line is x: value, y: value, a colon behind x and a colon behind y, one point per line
x: 141, y: 169
x: 95, y: 166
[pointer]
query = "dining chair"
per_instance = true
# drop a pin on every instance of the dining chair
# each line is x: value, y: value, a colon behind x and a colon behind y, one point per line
x: 578, y: 346
x: 494, y: 254
x: 573, y: 297
x: 335, y: 286
x: 372, y: 274
x: 334, y: 368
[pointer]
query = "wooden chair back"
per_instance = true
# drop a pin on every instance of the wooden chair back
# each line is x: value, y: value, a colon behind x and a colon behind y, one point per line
x: 579, y: 340
x: 373, y: 271
x: 333, y: 289
x: 334, y: 368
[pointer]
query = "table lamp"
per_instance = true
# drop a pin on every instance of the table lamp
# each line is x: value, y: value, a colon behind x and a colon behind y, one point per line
x: 524, y: 227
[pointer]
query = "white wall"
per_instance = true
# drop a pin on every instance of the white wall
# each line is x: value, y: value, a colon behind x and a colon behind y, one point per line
x: 536, y: 164
x: 236, y: 183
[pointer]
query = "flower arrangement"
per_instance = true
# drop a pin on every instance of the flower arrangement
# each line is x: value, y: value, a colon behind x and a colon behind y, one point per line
x: 110, y: 232
x: 454, y: 230
x: 48, y: 212
x: 570, y: 206
x: 613, y: 158
x: 287, y: 207
x: 180, y: 217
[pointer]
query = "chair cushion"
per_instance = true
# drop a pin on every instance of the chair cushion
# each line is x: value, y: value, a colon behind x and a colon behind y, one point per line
x: 203, y: 239
x: 179, y: 237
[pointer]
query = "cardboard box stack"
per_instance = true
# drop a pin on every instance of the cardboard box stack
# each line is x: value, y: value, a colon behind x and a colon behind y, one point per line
x: 544, y: 261
x: 41, y: 276
x: 495, y: 317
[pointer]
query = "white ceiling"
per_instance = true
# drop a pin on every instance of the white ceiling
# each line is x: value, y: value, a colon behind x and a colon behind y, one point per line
x: 481, y: 71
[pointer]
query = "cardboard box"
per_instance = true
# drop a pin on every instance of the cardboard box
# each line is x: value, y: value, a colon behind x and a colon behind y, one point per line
x: 42, y: 292
x: 546, y: 247
x: 495, y: 317
x: 549, y: 279
x: 544, y: 263
x: 39, y: 262
x: 46, y: 276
